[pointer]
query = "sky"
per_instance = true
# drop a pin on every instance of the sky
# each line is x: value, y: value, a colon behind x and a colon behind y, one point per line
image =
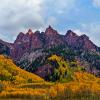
x: 81, y: 16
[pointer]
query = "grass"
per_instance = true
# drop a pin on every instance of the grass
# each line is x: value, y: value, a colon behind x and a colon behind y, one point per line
x: 79, y: 89
x: 36, y: 85
x: 50, y: 91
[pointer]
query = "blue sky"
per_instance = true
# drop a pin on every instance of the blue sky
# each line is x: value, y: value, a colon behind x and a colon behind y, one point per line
x: 82, y: 16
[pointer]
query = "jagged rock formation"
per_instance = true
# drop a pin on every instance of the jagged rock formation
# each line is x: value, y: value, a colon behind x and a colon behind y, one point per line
x: 31, y: 50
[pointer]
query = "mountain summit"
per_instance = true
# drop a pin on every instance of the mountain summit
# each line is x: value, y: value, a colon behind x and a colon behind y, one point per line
x: 50, y: 31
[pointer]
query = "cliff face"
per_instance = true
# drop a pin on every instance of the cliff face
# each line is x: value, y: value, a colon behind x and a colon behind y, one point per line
x: 79, y: 42
x: 50, y: 38
x: 33, y: 49
x: 25, y: 43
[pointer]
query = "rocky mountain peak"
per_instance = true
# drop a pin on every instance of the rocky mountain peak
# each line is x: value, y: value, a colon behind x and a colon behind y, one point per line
x: 50, y: 31
x: 70, y: 33
x: 86, y: 43
x: 36, y: 32
x: 71, y: 38
x: 48, y: 39
x: 85, y: 37
x: 19, y: 37
x: 30, y: 32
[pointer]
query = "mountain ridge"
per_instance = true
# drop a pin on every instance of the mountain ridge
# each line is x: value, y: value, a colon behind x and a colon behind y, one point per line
x: 36, y: 47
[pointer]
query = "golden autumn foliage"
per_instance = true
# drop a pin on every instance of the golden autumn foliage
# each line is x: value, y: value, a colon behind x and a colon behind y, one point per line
x: 80, y: 88
x: 62, y: 71
x: 17, y: 83
x: 10, y: 72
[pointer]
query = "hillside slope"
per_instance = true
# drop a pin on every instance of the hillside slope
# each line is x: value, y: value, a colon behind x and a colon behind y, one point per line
x: 10, y: 72
x: 73, y: 83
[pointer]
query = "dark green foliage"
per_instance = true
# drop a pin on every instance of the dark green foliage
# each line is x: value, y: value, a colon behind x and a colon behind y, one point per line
x: 62, y: 70
x: 92, y: 59
x: 4, y: 50
x: 61, y: 50
x: 54, y: 63
x: 83, y: 69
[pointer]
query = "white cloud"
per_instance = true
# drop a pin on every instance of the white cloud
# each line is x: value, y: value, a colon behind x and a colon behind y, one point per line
x: 96, y: 3
x: 19, y: 15
x: 59, y: 6
x: 78, y: 32
x: 93, y: 31
x: 92, y: 27
x: 51, y: 21
x: 2, y: 36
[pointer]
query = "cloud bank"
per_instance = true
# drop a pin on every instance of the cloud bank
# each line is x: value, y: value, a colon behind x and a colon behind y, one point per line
x: 19, y: 15
x: 96, y: 3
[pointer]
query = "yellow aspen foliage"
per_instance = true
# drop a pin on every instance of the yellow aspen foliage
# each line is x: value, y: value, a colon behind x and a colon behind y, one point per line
x: 52, y: 92
x: 10, y: 72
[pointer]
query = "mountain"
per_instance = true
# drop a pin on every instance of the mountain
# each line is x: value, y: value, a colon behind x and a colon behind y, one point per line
x: 10, y: 72
x: 79, y: 42
x: 32, y: 50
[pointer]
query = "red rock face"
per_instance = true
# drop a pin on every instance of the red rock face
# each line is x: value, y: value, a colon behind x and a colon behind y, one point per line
x: 20, y: 46
x: 36, y: 40
x: 29, y: 32
x: 52, y: 37
x: 86, y: 43
x: 51, y: 32
x: 79, y: 42
x: 71, y: 38
x: 26, y: 42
